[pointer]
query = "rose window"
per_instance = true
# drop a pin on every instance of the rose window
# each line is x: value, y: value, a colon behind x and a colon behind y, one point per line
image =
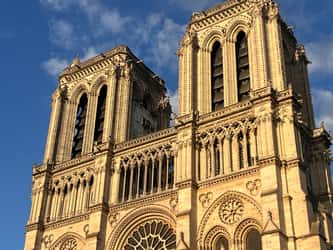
x: 69, y: 245
x: 152, y: 236
x: 231, y: 211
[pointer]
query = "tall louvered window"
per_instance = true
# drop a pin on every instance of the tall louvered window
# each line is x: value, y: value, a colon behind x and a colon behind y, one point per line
x: 243, y: 68
x: 217, y: 77
x: 79, y: 126
x: 100, y: 115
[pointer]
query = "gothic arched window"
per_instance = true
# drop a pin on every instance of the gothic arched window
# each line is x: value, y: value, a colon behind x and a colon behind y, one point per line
x: 80, y: 122
x: 243, y: 67
x: 152, y: 235
x: 100, y: 115
x: 253, y: 240
x: 217, y: 77
x: 222, y: 244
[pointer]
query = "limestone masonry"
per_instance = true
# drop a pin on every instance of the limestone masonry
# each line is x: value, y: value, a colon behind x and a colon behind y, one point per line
x: 243, y: 168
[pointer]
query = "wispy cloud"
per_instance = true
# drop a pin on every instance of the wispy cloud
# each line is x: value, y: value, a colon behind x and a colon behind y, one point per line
x: 54, y: 66
x: 173, y: 97
x: 323, y: 102
x: 62, y: 34
x: 112, y: 20
x: 321, y: 55
x: 193, y: 5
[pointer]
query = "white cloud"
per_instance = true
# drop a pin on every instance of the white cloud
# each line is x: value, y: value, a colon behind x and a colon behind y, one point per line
x: 54, y: 66
x: 194, y: 5
x: 164, y: 44
x: 323, y: 102
x: 89, y: 53
x: 173, y: 96
x: 62, y: 34
x: 321, y: 55
x: 113, y: 21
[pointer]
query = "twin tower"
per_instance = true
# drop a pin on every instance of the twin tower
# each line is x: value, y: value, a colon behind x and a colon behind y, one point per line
x: 243, y: 168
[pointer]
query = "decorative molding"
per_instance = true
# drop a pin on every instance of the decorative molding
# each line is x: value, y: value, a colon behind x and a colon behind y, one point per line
x: 67, y: 221
x: 170, y: 132
x: 201, y: 20
x: 143, y: 201
x: 230, y: 177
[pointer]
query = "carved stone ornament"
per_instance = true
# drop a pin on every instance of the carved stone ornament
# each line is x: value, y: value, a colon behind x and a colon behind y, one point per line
x: 206, y: 199
x: 48, y: 240
x: 173, y: 203
x: 113, y: 218
x: 86, y: 229
x: 253, y: 186
x: 231, y: 211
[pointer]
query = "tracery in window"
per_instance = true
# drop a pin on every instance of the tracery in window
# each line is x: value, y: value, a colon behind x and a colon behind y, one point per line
x: 253, y: 240
x: 79, y: 126
x: 70, y: 244
x: 243, y: 67
x: 152, y: 235
x: 100, y: 115
x: 217, y: 77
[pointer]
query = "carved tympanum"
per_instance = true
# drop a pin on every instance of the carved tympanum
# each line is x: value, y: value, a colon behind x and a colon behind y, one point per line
x: 231, y: 211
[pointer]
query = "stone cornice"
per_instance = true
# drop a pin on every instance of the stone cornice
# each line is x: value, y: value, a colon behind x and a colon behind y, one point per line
x: 103, y: 63
x: 67, y: 221
x: 238, y: 109
x: 160, y: 135
x: 143, y: 201
x: 226, y: 178
x: 219, y: 12
x: 34, y: 226
x: 73, y: 163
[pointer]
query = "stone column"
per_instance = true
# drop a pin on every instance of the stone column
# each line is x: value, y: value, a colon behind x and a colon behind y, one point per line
x: 230, y: 89
x: 89, y: 129
x: 110, y: 106
x: 235, y: 153
x: 227, y: 154
x: 115, y: 182
x: 55, y: 122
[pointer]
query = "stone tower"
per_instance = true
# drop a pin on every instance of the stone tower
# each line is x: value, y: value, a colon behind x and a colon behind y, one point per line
x: 243, y: 168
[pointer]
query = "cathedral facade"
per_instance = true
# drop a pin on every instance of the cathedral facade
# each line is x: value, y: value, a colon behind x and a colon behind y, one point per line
x: 243, y: 168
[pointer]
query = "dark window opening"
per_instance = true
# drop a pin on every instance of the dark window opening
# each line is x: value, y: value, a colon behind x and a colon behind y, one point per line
x: 243, y: 67
x: 100, y: 116
x: 79, y: 126
x: 253, y: 240
x: 217, y: 77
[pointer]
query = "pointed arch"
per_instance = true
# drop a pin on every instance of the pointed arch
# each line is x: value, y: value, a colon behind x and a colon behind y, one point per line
x: 217, y: 204
x: 248, y: 233
x: 78, y: 91
x: 211, y: 38
x: 70, y: 237
x: 215, y: 235
x: 126, y: 226
x: 98, y: 83
x: 242, y: 24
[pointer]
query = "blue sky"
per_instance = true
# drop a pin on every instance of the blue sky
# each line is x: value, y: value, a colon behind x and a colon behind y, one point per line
x: 40, y: 37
